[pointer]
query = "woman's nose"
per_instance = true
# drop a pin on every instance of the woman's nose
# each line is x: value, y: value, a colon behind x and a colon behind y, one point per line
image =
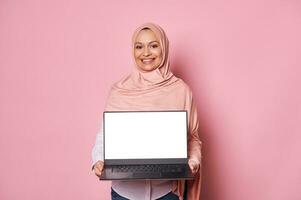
x: 146, y: 52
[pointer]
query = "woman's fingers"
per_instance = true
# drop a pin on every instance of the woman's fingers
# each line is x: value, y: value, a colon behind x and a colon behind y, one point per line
x: 100, y: 165
x: 193, y: 166
x: 98, y: 168
x: 97, y: 172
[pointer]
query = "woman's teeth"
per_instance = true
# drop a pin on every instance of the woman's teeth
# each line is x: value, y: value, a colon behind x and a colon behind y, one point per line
x: 147, y: 61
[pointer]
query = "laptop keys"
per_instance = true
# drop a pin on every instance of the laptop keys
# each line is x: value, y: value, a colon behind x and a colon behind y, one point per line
x: 151, y: 168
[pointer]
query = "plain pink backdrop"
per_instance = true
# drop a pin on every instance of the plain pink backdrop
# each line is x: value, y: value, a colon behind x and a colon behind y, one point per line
x: 58, y: 59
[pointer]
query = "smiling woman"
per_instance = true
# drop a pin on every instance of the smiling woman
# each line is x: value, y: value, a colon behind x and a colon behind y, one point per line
x: 152, y: 86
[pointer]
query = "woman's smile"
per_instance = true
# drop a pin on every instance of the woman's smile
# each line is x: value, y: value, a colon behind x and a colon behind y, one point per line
x: 147, y: 60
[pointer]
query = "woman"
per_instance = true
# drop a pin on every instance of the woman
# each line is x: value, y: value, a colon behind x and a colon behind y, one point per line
x: 152, y: 86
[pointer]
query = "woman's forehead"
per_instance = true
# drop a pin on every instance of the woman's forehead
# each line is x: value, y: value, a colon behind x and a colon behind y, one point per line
x: 146, y: 36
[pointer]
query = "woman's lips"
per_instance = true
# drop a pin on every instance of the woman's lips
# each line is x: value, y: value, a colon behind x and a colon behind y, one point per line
x: 147, y: 60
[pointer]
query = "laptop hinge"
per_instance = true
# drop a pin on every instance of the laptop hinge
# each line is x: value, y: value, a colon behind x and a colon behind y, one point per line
x: 145, y: 161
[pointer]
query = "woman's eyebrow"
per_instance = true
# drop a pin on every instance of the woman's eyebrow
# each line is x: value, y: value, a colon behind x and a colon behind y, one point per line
x: 154, y: 41
x: 148, y: 42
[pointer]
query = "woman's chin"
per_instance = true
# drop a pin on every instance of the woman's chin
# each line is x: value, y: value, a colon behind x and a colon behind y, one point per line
x: 147, y: 68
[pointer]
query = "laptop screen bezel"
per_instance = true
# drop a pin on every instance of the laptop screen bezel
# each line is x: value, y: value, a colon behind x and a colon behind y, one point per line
x: 149, y: 160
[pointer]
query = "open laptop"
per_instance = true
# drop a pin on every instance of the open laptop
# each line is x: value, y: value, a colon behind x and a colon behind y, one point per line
x: 145, y: 145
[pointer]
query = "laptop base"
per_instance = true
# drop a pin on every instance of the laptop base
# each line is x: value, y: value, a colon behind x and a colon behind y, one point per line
x: 110, y: 173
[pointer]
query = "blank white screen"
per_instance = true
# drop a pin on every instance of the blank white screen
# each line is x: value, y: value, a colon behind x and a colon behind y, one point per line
x: 144, y: 135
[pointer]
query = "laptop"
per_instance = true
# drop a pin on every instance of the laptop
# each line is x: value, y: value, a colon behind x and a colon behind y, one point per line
x: 145, y: 145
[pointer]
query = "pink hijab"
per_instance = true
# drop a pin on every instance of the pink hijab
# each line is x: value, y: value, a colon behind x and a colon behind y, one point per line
x: 160, y: 90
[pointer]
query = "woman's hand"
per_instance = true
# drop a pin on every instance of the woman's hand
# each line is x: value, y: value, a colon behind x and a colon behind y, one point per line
x: 98, y: 168
x: 194, y: 166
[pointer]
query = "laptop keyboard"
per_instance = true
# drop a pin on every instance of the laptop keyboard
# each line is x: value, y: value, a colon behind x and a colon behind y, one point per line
x: 151, y: 168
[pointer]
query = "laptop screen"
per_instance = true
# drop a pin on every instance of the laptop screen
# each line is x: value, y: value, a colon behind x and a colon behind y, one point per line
x: 145, y: 135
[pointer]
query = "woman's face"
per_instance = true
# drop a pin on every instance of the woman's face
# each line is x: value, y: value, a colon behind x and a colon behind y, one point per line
x: 147, y: 50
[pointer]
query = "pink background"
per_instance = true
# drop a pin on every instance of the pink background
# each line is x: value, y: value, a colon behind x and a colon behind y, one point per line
x: 58, y: 59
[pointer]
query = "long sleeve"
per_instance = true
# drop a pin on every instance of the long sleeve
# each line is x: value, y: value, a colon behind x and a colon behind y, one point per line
x: 194, y: 152
x: 97, y: 150
x: 194, y: 142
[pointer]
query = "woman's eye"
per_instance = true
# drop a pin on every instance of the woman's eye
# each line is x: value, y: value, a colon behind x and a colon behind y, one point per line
x: 138, y: 47
x: 154, y: 46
